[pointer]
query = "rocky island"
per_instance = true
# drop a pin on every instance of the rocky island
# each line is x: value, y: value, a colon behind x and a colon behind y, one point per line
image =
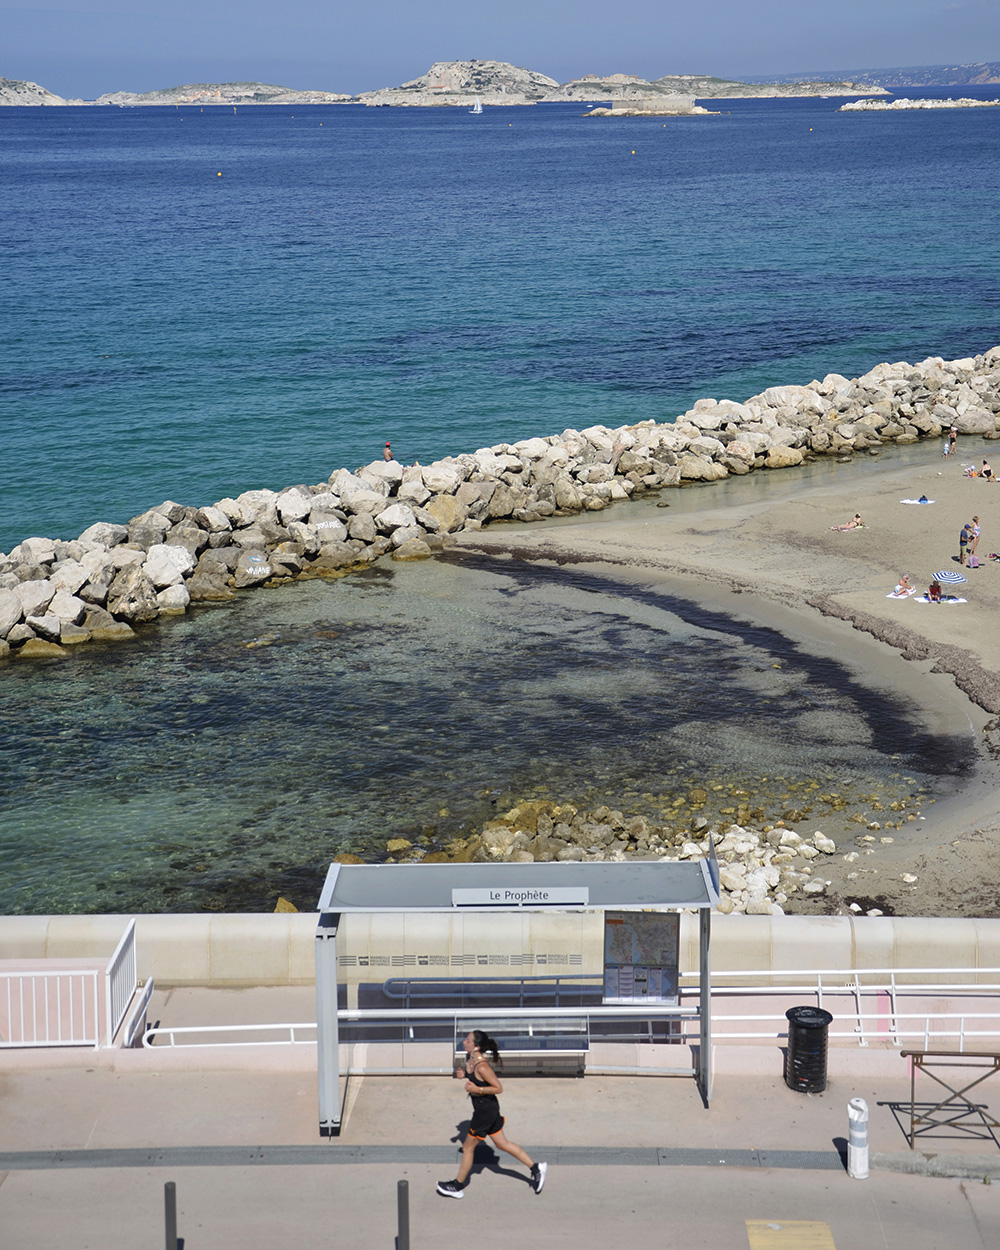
x: 15, y: 93
x: 223, y: 93
x: 461, y: 83
x: 899, y: 105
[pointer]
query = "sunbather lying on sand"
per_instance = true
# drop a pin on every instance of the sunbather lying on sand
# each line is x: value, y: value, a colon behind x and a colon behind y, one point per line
x: 854, y: 524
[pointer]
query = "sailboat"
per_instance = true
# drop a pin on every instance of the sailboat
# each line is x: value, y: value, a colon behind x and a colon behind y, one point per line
x: 477, y: 107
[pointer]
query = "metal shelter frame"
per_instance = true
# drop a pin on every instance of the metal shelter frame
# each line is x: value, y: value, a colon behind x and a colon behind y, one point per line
x: 635, y: 885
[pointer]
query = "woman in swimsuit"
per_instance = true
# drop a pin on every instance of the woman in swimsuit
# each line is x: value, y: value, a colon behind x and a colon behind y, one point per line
x: 482, y: 1085
x: 855, y: 523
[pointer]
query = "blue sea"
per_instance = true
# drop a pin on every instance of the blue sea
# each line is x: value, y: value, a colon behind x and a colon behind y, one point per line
x: 201, y: 301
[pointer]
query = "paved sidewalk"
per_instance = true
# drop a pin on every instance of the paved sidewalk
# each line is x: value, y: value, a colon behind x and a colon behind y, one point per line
x: 88, y: 1139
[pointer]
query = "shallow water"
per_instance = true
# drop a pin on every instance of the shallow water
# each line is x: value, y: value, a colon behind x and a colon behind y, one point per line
x: 222, y: 759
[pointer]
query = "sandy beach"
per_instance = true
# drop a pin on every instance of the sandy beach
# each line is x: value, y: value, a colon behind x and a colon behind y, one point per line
x: 765, y: 551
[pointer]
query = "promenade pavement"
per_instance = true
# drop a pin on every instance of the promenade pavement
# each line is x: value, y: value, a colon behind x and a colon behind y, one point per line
x: 87, y: 1140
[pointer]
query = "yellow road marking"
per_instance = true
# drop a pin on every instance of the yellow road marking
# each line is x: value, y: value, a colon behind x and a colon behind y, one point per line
x: 789, y: 1235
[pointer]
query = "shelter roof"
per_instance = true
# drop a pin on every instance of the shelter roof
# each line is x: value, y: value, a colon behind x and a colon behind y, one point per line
x: 634, y: 885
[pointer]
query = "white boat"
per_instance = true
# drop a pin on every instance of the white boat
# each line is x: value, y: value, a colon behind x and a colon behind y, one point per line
x: 477, y: 107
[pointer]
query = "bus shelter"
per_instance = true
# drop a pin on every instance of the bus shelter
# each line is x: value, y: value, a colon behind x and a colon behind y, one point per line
x: 619, y: 888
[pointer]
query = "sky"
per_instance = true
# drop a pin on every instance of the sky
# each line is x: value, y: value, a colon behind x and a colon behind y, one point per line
x: 82, y: 48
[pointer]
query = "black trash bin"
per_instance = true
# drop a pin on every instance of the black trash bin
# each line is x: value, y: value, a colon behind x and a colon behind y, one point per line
x: 805, y: 1059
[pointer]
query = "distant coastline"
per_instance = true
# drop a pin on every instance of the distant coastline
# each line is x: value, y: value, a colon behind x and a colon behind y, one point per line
x: 455, y: 84
x: 498, y: 82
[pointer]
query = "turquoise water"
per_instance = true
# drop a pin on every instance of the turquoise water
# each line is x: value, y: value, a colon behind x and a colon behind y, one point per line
x: 222, y: 759
x: 448, y: 282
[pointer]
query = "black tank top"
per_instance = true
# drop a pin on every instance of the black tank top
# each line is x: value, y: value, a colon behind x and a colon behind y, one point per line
x: 480, y: 1098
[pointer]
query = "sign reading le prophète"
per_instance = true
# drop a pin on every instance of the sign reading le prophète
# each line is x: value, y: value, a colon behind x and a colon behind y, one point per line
x: 521, y: 896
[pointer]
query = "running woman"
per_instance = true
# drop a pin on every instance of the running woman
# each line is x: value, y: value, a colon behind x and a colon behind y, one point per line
x: 482, y: 1085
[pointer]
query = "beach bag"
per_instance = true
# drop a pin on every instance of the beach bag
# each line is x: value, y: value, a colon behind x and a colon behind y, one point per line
x: 973, y: 561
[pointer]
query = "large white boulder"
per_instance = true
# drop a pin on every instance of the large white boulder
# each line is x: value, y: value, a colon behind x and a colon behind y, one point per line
x: 47, y: 626
x: 34, y: 597
x: 293, y: 504
x: 214, y: 520
x: 802, y: 398
x: 389, y: 472
x: 413, y: 491
x: 68, y: 607
x: 34, y: 551
x: 105, y: 533
x: 70, y: 575
x: 328, y: 529
x: 396, y: 516
x: 10, y: 611
x: 705, y: 446
x: 443, y: 477
x: 168, y: 565
x: 173, y: 600
x: 533, y: 448
x: 254, y: 503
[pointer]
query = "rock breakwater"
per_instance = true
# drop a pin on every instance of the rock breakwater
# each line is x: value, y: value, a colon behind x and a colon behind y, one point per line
x: 114, y: 577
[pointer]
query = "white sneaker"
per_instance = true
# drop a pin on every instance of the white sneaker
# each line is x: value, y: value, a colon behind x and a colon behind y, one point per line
x: 538, y: 1171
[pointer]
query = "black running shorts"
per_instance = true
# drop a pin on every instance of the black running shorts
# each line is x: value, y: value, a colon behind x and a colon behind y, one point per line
x: 486, y: 1120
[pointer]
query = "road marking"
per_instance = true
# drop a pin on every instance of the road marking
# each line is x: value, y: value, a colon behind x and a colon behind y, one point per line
x: 789, y: 1235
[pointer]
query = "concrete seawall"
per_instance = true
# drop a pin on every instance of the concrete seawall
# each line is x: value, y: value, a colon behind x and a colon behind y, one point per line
x: 231, y: 951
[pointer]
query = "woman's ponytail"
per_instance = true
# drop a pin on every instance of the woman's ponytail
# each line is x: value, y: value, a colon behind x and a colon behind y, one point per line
x: 488, y: 1047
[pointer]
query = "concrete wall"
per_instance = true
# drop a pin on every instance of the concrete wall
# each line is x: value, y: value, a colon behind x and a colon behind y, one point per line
x: 241, y: 950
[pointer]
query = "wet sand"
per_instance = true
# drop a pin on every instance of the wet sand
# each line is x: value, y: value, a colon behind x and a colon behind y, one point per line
x: 765, y: 551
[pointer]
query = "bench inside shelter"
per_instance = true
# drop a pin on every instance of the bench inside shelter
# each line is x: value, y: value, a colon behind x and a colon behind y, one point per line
x: 540, y: 1047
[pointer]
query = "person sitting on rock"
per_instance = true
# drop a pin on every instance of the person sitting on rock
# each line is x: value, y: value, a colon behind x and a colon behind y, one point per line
x: 387, y: 453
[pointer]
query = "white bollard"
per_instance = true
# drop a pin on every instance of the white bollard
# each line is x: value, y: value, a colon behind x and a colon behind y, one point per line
x: 857, y: 1139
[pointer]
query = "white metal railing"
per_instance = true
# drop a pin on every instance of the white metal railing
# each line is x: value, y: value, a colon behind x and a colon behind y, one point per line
x: 294, y: 1032
x: 359, y: 1015
x: 62, y: 1007
x: 120, y: 982
x: 863, y: 1026
x: 853, y: 1022
x: 54, y: 1007
x: 135, y: 1027
x: 839, y: 978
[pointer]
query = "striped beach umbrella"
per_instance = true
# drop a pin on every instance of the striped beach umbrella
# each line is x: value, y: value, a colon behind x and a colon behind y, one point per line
x: 949, y: 575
